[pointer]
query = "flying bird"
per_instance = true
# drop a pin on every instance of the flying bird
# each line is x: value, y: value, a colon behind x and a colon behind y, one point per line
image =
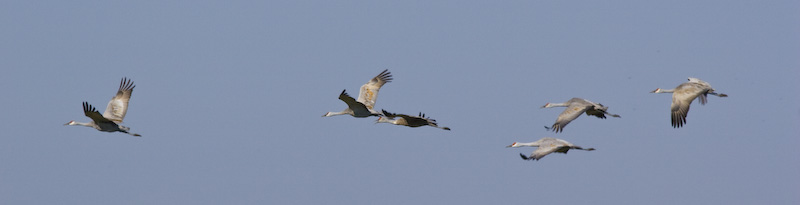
x: 407, y: 120
x: 364, y: 106
x: 684, y: 94
x: 115, y: 111
x: 575, y: 107
x: 546, y: 146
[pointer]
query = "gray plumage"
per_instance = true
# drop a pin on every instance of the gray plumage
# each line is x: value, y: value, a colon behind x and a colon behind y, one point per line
x: 546, y: 146
x: 576, y: 107
x: 368, y: 95
x: 115, y: 111
x: 683, y: 95
x: 407, y: 120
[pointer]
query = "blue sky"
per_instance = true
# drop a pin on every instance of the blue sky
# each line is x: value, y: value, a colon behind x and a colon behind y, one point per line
x: 229, y: 96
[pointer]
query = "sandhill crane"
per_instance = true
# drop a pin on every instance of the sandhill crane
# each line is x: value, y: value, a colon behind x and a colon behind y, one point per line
x: 575, y: 107
x: 364, y: 106
x: 115, y: 111
x: 407, y: 120
x: 684, y: 94
x: 546, y: 146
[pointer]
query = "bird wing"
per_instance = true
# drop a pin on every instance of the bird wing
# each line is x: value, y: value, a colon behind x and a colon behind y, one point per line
x: 544, y: 149
x: 414, y: 121
x: 388, y: 114
x: 597, y: 112
x: 573, y: 111
x: 354, y: 105
x: 118, y: 106
x: 369, y: 92
x: 562, y: 146
x: 92, y: 113
x: 703, y: 88
x: 681, y: 99
x: 703, y: 98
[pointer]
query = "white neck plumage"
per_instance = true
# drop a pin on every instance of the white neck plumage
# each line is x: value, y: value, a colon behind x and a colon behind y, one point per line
x: 549, y: 105
x: 87, y: 124
x: 386, y: 120
x: 334, y: 114
x: 659, y: 90
x: 523, y: 144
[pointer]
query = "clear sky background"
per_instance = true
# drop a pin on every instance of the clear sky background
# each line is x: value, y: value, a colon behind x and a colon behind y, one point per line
x: 229, y: 96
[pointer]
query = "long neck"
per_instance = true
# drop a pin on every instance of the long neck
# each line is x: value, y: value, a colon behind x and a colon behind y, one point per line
x: 527, y: 144
x: 665, y: 91
x: 87, y: 124
x: 385, y: 120
x: 335, y: 113
x: 549, y: 105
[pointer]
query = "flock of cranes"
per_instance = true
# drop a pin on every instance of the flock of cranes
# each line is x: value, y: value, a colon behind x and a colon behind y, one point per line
x: 364, y: 106
x: 682, y: 97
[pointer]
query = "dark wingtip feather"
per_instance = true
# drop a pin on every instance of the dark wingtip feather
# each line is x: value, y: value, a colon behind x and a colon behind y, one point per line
x: 88, y: 108
x: 555, y: 128
x: 386, y: 76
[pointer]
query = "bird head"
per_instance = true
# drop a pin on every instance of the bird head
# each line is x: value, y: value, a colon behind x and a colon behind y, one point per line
x: 71, y: 122
x: 658, y: 90
x: 515, y: 144
x: 383, y: 119
x: 327, y: 114
x: 546, y: 105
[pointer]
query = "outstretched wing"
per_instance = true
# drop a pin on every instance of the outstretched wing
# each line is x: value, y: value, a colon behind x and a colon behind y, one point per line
x: 369, y: 92
x: 681, y: 100
x: 357, y: 107
x: 569, y: 114
x: 118, y: 106
x: 599, y: 113
x: 414, y: 121
x: 91, y: 112
x: 388, y: 114
x: 680, y: 109
x: 543, y: 150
